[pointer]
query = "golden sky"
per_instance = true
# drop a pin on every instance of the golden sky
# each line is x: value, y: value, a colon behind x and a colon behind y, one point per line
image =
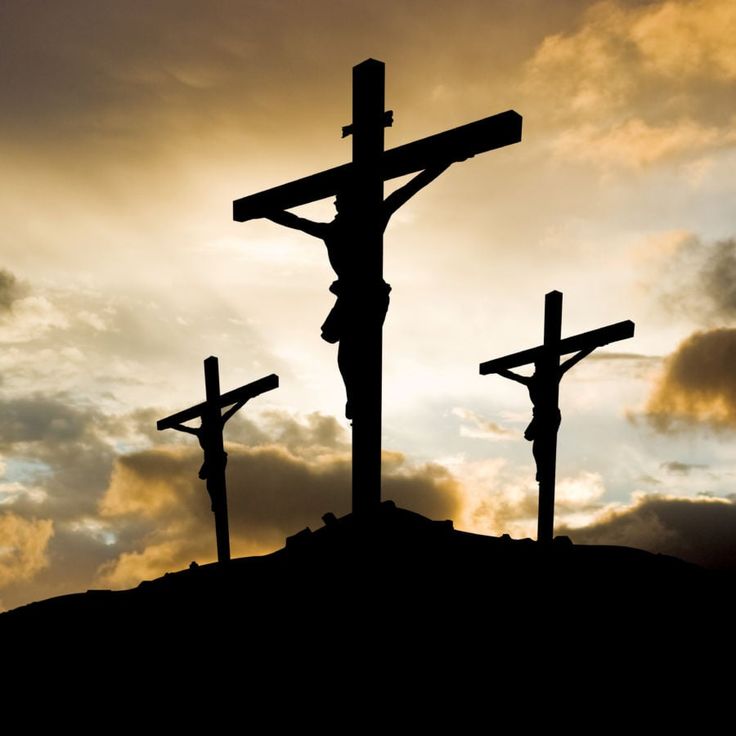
x: 127, y: 129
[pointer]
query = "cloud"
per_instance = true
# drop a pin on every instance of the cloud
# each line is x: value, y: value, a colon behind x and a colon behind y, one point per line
x: 636, y: 144
x: 603, y: 355
x: 697, y: 386
x: 498, y: 498
x: 671, y: 61
x: 41, y: 419
x: 122, y: 515
x: 28, y: 318
x: 678, y: 468
x: 690, y: 277
x: 717, y: 276
x: 273, y: 492
x: 312, y: 435
x: 58, y: 454
x: 10, y: 290
x: 700, y: 530
x: 478, y: 427
x: 690, y: 38
x: 23, y: 546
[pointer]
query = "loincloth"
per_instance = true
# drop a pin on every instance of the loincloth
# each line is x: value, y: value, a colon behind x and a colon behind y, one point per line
x: 538, y: 421
x: 351, y: 301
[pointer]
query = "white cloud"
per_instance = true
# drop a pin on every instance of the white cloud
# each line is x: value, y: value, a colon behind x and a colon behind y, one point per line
x: 477, y: 427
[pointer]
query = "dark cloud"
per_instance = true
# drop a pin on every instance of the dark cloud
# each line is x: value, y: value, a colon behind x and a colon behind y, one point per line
x: 718, y: 277
x: 698, y: 384
x: 272, y: 493
x: 71, y: 559
x: 63, y: 452
x: 678, y: 468
x: 138, y: 514
x: 313, y: 434
x: 68, y: 450
x: 701, y: 530
x: 697, y: 279
x: 41, y: 419
x: 10, y: 290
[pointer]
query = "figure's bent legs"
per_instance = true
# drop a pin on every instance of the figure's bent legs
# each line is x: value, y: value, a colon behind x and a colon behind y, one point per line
x: 209, y: 474
x: 346, y: 361
x: 545, y: 442
x: 212, y: 493
x: 538, y: 452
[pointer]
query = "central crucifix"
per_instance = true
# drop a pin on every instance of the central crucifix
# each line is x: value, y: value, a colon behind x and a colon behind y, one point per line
x: 354, y: 241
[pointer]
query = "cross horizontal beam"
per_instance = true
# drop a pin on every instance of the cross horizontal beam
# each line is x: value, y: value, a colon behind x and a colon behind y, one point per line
x: 593, y: 339
x: 457, y: 144
x: 227, y: 399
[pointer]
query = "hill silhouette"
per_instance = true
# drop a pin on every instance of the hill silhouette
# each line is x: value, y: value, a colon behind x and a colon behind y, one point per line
x: 393, y: 580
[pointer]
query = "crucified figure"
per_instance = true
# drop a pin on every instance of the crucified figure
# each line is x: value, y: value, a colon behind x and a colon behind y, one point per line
x: 546, y: 415
x: 350, y: 290
x: 214, y: 459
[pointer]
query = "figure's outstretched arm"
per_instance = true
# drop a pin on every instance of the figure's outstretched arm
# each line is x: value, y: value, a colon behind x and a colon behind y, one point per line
x: 287, y: 219
x: 565, y: 367
x: 189, y: 430
x: 229, y: 413
x: 513, y: 376
x: 403, y: 194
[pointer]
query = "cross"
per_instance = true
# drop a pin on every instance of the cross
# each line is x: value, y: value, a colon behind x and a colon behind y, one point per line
x: 209, y: 434
x: 360, y: 185
x: 543, y: 388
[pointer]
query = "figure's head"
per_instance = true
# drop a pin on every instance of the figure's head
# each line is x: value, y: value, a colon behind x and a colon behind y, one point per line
x: 343, y: 203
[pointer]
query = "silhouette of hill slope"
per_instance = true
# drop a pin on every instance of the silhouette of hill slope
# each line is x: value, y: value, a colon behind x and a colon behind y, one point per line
x: 396, y: 575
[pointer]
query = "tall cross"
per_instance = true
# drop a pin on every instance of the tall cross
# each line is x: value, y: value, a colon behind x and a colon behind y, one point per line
x: 360, y: 183
x: 209, y: 434
x: 544, y: 387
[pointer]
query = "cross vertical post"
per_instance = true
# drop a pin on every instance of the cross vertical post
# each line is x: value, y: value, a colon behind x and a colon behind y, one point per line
x: 212, y: 427
x: 551, y: 369
x: 366, y: 200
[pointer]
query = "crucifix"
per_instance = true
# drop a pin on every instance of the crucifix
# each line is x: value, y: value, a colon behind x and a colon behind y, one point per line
x: 209, y: 434
x: 354, y: 241
x: 544, y: 387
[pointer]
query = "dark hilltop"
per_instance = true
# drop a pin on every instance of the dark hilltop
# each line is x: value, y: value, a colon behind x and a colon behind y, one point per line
x: 392, y: 579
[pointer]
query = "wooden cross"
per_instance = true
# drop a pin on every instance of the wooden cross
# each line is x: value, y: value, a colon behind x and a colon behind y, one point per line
x: 209, y: 434
x: 544, y: 391
x: 361, y: 184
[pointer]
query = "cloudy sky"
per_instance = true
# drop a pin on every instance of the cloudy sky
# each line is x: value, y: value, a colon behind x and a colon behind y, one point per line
x: 127, y: 129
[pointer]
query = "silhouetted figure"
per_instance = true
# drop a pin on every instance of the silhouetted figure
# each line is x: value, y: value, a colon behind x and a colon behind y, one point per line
x: 209, y: 434
x: 544, y: 391
x: 215, y: 460
x: 545, y: 417
x: 352, y: 293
